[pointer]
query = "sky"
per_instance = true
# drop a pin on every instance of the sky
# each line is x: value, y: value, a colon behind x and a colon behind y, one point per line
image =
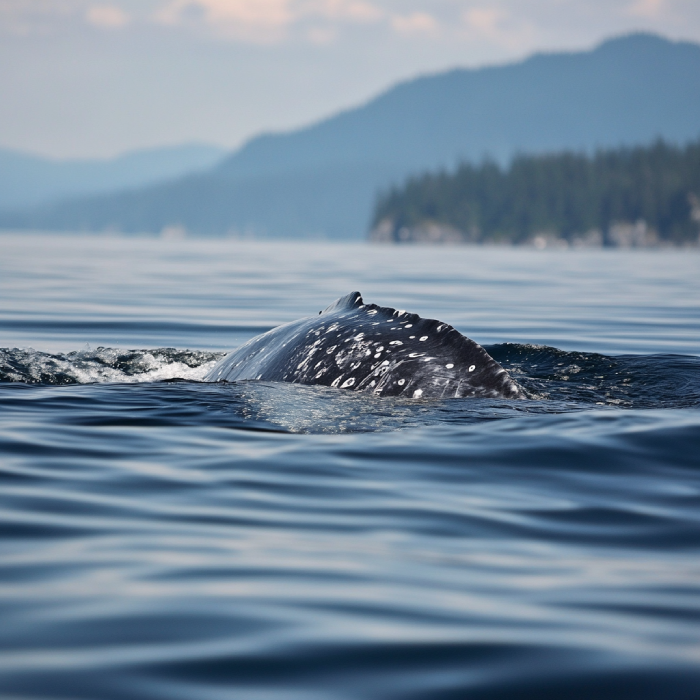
x: 92, y: 78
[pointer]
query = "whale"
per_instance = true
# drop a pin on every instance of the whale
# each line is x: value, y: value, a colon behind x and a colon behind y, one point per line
x: 364, y: 347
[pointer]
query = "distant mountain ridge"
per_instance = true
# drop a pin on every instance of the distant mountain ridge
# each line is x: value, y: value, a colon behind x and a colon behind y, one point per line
x: 466, y: 114
x: 322, y: 180
x: 27, y: 179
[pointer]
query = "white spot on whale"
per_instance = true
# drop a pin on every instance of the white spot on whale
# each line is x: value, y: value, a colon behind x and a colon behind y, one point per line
x: 422, y: 338
x: 372, y: 312
x: 402, y: 382
x: 409, y: 325
x: 336, y: 381
x: 347, y: 383
x: 417, y: 393
x: 395, y: 342
x: 472, y: 368
x: 449, y: 366
x: 411, y: 337
x: 386, y: 362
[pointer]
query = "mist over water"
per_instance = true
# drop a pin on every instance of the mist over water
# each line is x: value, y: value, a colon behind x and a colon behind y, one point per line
x: 168, y: 538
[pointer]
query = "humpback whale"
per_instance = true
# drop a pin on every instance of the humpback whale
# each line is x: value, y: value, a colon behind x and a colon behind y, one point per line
x: 365, y: 347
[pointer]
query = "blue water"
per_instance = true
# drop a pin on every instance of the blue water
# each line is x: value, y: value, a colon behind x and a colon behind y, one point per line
x: 166, y: 538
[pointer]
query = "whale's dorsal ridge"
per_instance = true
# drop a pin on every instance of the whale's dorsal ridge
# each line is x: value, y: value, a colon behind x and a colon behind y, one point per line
x: 377, y: 349
x: 349, y: 301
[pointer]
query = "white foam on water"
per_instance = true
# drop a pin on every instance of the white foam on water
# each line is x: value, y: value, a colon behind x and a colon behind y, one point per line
x: 104, y: 365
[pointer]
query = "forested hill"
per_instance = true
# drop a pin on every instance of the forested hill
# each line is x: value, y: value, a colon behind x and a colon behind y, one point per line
x: 619, y: 197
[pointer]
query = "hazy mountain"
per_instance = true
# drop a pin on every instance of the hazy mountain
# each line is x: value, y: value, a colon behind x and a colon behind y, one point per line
x: 27, y: 179
x: 323, y: 179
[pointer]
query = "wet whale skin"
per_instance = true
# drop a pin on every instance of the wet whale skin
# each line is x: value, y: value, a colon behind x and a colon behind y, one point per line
x: 365, y: 347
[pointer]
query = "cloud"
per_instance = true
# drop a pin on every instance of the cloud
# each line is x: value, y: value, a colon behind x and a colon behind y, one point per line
x: 646, y: 8
x: 498, y: 26
x: 467, y: 27
x: 344, y: 10
x: 248, y: 21
x: 268, y: 20
x: 107, y: 16
x: 415, y: 23
x: 246, y: 12
x: 26, y: 17
x: 321, y: 35
x: 484, y: 19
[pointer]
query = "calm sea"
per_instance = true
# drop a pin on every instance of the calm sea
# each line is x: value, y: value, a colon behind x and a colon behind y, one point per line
x: 163, y: 538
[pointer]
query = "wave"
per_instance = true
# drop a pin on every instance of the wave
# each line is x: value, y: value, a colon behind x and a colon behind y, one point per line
x: 566, y: 380
x: 104, y: 365
x: 627, y: 381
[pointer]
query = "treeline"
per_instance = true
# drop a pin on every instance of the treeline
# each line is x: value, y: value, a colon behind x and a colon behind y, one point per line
x: 653, y: 191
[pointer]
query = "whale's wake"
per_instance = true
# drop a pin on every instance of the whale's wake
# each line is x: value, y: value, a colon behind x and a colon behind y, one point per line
x: 104, y: 365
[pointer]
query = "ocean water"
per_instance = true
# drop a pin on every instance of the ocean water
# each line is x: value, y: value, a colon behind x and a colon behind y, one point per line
x: 165, y: 538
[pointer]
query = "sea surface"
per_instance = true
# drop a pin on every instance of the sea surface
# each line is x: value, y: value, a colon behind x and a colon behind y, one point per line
x: 164, y: 538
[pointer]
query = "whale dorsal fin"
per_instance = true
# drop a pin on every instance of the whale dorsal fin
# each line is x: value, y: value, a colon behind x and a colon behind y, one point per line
x: 349, y: 301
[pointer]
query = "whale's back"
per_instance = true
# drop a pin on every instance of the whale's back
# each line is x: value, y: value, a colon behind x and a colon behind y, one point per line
x: 365, y: 347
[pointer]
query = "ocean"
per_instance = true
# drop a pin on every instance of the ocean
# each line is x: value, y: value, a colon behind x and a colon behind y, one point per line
x: 165, y: 538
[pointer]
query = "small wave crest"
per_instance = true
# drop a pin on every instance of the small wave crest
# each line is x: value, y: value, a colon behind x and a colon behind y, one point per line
x: 104, y: 365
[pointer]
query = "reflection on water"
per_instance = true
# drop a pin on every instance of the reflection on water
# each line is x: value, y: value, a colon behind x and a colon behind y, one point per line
x: 167, y: 538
